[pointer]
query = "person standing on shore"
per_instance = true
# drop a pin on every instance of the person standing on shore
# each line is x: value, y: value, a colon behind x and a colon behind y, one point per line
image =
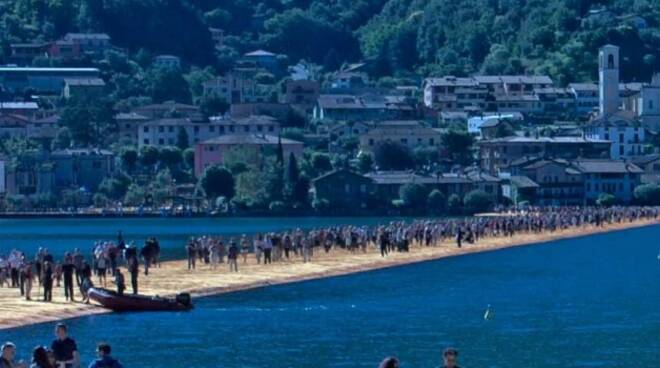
x: 134, y: 270
x: 65, y: 348
x: 67, y: 271
x: 268, y: 250
x: 245, y: 248
x: 47, y: 281
x: 191, y: 251
x: 258, y: 247
x: 29, y: 278
x: 232, y: 256
x: 78, y: 260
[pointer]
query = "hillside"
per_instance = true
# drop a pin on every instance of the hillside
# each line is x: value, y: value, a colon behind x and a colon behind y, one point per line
x: 430, y: 37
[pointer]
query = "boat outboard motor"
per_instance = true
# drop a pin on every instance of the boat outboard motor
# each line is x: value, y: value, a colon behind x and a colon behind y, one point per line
x: 183, y: 298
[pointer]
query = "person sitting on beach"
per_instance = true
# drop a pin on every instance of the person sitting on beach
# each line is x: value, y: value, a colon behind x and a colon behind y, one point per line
x: 450, y: 358
x: 389, y: 362
x: 84, y: 289
x: 7, y: 356
x: 40, y: 358
x: 65, y: 348
x: 103, y: 351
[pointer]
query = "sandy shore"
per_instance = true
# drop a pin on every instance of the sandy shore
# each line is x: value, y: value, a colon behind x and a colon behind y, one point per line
x: 173, y: 276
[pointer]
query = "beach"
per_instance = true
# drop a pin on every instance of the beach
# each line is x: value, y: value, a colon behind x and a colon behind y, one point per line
x: 173, y: 276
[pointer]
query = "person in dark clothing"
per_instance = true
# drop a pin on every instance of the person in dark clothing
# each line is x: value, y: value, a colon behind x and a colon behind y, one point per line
x: 68, y: 270
x: 191, y: 250
x: 384, y: 240
x: 232, y: 257
x: 134, y: 270
x: 120, y: 282
x: 103, y: 351
x: 459, y: 237
x: 64, y: 348
x: 47, y: 282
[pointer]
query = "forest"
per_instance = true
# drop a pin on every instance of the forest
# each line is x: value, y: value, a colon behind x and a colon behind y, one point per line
x: 399, y: 37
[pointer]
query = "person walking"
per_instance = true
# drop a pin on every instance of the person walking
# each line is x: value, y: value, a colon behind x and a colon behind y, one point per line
x: 191, y: 250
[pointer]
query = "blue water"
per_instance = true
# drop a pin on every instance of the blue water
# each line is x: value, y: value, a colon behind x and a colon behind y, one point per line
x: 62, y: 235
x: 586, y: 302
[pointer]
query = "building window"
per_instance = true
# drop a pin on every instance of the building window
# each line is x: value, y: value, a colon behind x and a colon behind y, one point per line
x: 212, y: 129
x: 246, y: 129
x: 347, y: 188
x: 161, y: 129
x: 170, y: 129
x: 271, y: 128
x: 196, y: 130
x: 96, y: 164
x: 145, y: 129
x: 371, y: 142
x: 363, y: 188
x: 145, y: 141
x: 259, y: 128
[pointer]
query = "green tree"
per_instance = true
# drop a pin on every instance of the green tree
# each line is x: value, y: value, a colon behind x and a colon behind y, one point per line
x: 458, y: 145
x: 62, y: 139
x: 648, y: 194
x: 217, y: 181
x: 292, y: 173
x: 436, y: 202
x: 189, y: 157
x: 365, y: 162
x: 413, y: 195
x: 135, y: 196
x: 606, y: 200
x: 165, y: 84
x: 454, y: 204
x: 213, y: 105
x: 182, y: 139
x: 148, y: 156
x: 129, y: 158
x: 391, y: 155
x: 170, y: 156
x: 477, y: 201
x: 321, y: 163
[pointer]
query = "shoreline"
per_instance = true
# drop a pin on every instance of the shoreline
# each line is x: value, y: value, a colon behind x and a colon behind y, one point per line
x: 173, y: 276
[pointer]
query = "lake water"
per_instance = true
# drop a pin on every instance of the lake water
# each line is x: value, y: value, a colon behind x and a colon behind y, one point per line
x: 61, y: 235
x: 586, y: 302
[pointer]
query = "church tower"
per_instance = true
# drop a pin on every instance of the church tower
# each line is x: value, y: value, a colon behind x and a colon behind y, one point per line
x: 608, y: 77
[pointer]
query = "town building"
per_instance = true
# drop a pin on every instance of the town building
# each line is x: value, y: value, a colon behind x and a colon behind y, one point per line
x: 627, y: 135
x: 169, y: 109
x: 586, y: 97
x: 82, y: 168
x: 302, y: 94
x: 93, y: 44
x: 83, y: 88
x: 615, y: 177
x: 262, y: 59
x: 344, y: 189
x: 498, y: 153
x: 252, y: 148
x: 410, y: 133
x: 41, y: 80
x: 475, y: 123
x: 167, y: 62
x: 363, y: 107
x: 166, y: 131
x: 129, y: 124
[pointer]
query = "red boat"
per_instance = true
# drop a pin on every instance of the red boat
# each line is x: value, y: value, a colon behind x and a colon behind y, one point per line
x: 139, y: 303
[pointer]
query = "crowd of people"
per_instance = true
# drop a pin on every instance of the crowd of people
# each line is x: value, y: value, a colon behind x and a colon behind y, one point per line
x: 62, y: 353
x: 75, y: 272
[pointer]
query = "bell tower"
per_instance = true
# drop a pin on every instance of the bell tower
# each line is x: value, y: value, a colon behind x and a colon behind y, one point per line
x: 608, y: 78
